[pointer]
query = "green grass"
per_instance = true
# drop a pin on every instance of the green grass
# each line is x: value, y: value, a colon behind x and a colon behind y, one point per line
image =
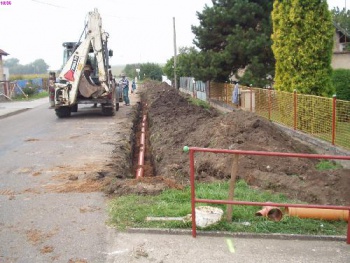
x: 328, y: 165
x: 199, y: 102
x: 131, y: 212
x: 40, y: 95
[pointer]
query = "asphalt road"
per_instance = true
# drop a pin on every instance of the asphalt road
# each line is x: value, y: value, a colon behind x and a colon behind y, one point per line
x: 38, y: 151
x: 37, y: 224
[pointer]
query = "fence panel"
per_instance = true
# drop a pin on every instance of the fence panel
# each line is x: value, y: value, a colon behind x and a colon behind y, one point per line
x: 315, y: 116
x: 218, y: 92
x: 310, y: 114
x: 342, y: 126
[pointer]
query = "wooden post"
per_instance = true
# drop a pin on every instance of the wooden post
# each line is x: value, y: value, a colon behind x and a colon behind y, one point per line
x: 234, y: 170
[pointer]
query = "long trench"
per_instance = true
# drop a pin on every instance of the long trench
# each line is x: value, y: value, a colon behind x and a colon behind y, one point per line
x: 142, y: 165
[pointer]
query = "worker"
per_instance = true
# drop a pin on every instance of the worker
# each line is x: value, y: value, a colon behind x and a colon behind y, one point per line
x: 236, y: 94
x: 124, y: 83
x: 133, y: 86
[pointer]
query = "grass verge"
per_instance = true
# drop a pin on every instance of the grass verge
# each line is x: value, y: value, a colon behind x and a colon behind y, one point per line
x: 131, y: 212
x: 39, y: 95
x: 199, y: 103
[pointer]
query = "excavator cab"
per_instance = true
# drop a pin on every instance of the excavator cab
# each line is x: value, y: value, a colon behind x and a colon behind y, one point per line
x: 69, y: 48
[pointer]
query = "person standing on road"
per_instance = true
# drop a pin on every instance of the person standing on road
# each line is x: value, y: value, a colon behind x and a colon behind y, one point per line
x: 124, y: 83
x: 133, y: 86
x: 235, y: 94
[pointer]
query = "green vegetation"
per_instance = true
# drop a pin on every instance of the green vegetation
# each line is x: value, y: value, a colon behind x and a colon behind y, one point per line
x: 233, y: 35
x: 199, y: 102
x: 132, y: 210
x: 28, y: 76
x: 151, y: 71
x: 39, y: 66
x: 327, y: 165
x: 341, y: 82
x: 33, y: 96
x: 302, y: 45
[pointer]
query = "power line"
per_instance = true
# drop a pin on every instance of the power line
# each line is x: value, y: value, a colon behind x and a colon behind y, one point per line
x: 46, y: 3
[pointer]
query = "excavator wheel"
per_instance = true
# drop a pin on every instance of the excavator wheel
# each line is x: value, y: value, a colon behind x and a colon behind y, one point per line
x: 108, y: 111
x: 74, y: 108
x: 63, y: 112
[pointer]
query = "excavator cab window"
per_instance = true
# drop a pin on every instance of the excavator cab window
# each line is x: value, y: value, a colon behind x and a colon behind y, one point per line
x: 69, y: 48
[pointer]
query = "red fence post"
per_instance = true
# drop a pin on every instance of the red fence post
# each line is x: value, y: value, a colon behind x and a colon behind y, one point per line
x: 269, y: 102
x: 334, y: 118
x: 295, y: 109
x: 193, y: 193
x: 234, y: 171
x: 348, y: 234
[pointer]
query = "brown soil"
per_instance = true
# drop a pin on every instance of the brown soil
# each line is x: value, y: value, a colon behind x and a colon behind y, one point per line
x: 174, y: 122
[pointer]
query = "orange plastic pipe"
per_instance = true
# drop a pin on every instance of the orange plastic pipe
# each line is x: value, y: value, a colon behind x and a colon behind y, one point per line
x: 273, y: 213
x: 315, y: 213
x: 141, y: 160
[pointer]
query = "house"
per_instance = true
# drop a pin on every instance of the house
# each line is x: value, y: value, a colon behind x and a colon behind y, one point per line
x: 2, y: 53
x: 341, y: 56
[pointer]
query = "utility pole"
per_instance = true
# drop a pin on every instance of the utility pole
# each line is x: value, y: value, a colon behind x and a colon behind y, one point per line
x: 175, y: 55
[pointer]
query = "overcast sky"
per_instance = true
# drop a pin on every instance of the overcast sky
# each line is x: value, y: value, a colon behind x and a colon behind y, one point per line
x: 140, y: 30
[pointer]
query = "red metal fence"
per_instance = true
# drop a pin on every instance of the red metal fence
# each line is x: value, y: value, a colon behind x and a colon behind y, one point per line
x: 236, y: 153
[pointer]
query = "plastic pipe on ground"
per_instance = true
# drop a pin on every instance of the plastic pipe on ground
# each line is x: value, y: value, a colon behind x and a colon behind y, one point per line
x: 141, y: 160
x: 273, y: 213
x: 315, y: 213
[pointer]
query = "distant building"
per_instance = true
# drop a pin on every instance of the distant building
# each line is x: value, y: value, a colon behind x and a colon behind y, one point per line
x: 2, y: 53
x: 341, y: 54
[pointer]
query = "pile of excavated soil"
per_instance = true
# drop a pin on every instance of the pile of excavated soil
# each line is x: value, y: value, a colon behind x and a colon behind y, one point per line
x: 175, y: 122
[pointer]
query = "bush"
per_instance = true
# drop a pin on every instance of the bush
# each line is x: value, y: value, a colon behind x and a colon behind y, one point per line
x: 341, y: 82
x: 31, y: 89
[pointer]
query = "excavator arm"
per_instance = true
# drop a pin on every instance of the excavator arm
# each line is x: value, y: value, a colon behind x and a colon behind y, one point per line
x: 72, y: 80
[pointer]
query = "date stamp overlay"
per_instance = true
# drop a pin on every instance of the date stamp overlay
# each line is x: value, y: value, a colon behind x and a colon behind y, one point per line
x: 5, y: 3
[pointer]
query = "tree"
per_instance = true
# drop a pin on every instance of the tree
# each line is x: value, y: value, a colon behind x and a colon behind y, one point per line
x: 302, y: 44
x: 233, y: 35
x: 151, y: 71
x: 37, y: 67
x: 12, y: 62
x: 185, y: 64
x: 341, y: 17
x: 130, y: 70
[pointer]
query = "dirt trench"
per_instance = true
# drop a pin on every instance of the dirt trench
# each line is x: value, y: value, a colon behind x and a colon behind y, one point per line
x: 173, y: 121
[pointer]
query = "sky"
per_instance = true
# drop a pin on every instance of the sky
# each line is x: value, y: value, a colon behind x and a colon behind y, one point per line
x: 140, y: 31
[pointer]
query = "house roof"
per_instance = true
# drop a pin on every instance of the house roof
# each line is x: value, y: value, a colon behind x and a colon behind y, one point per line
x: 3, y: 53
x: 342, y: 30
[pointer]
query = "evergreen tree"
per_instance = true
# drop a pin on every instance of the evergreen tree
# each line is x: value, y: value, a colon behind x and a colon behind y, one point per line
x: 235, y: 34
x: 302, y: 44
